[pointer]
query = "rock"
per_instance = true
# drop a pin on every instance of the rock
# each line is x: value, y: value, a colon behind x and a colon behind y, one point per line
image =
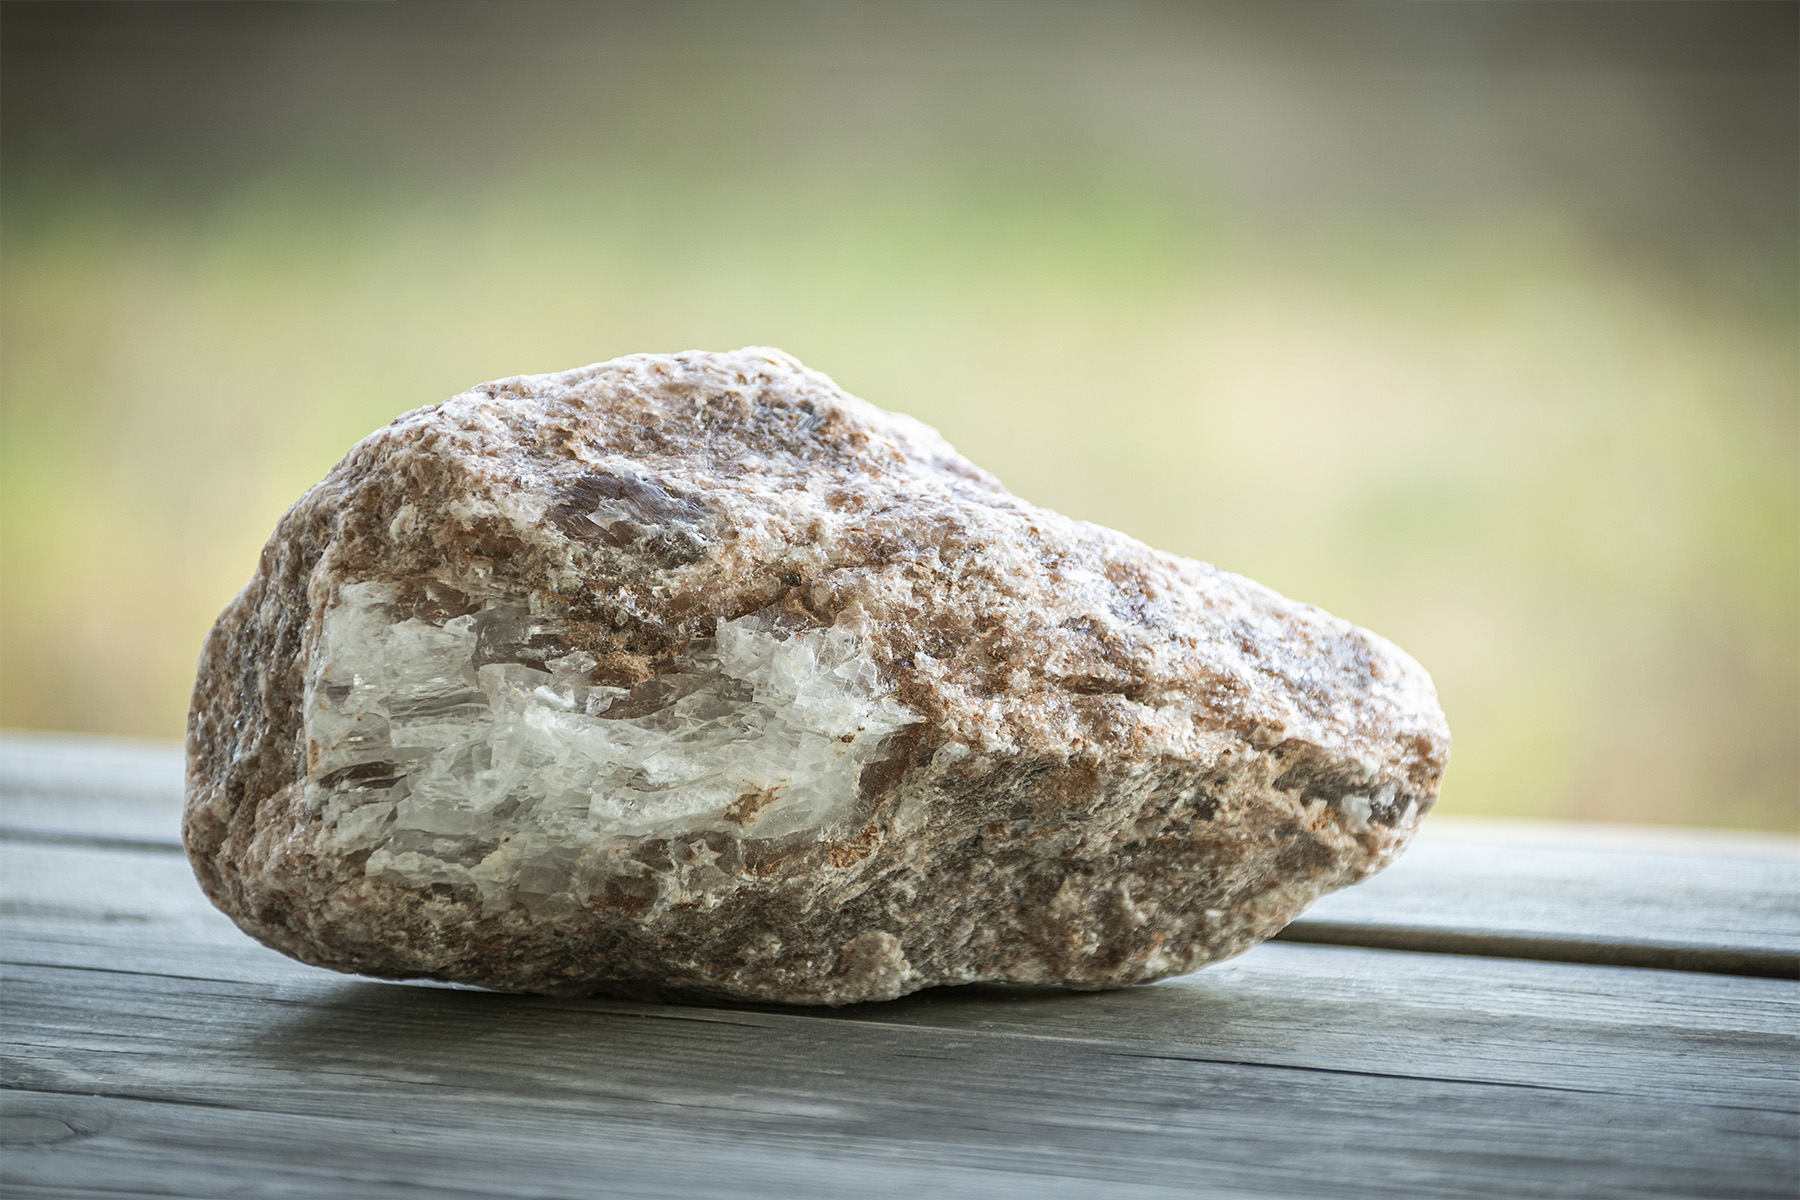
x: 693, y: 675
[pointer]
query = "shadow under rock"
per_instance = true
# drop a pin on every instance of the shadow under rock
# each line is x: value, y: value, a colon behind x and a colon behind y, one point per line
x: 923, y: 1063
x: 496, y: 1041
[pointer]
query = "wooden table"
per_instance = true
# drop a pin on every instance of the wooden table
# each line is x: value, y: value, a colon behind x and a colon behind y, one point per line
x: 1511, y: 1011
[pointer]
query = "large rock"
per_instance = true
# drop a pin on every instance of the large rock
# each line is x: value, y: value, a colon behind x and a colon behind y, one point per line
x: 691, y: 674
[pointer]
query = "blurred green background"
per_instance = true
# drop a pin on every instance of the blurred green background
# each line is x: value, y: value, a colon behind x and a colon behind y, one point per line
x: 1474, y: 324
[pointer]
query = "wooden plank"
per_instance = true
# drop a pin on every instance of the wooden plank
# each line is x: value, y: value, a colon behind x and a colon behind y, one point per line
x: 1674, y: 899
x: 119, y: 1146
x: 146, y: 1038
x: 467, y: 1078
x: 98, y: 909
x: 152, y: 1048
x: 61, y: 787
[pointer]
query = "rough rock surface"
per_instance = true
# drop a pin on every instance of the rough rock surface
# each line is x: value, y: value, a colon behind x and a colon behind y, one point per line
x: 692, y: 674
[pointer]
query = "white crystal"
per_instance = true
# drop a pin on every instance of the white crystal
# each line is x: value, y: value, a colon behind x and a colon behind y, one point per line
x: 516, y: 780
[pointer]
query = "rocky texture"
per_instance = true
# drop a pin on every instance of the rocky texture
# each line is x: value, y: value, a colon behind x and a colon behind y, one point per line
x: 693, y: 675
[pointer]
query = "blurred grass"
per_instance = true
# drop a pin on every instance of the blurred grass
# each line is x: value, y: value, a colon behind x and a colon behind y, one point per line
x: 1564, y: 478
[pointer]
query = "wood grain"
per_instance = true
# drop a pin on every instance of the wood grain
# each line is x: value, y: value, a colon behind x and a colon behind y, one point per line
x: 131, y: 912
x: 152, y: 1049
x: 1675, y: 899
x: 445, y: 1087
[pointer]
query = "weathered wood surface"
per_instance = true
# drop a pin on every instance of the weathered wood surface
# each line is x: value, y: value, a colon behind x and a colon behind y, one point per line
x: 1681, y: 900
x: 151, y: 1049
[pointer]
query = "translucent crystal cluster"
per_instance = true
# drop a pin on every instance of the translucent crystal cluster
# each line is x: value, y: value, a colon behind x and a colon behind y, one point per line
x: 522, y: 781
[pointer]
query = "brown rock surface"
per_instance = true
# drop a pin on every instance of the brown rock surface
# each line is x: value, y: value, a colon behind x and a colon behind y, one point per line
x: 692, y: 674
